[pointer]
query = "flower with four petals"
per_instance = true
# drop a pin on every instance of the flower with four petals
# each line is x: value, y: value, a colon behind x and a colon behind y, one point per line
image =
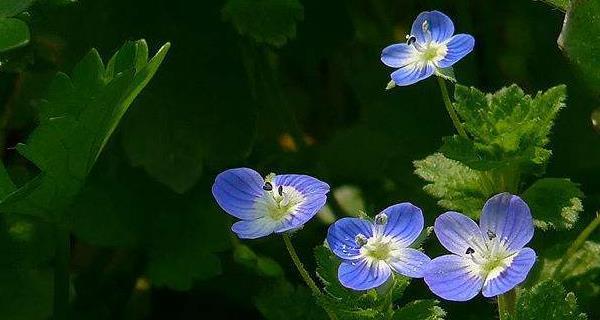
x: 489, y: 257
x: 370, y: 251
x: 431, y: 46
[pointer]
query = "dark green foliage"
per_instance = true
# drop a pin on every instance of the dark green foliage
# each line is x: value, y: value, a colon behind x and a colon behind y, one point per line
x: 266, y: 21
x: 76, y: 121
x: 555, y: 203
x: 547, y: 300
x: 420, y: 309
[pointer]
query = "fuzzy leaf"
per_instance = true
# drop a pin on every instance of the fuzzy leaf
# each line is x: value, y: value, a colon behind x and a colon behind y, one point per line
x: 76, y: 121
x: 507, y: 128
x: 555, y: 203
x: 266, y: 21
x: 420, y: 309
x: 549, y: 301
x: 457, y: 186
x: 9, y: 8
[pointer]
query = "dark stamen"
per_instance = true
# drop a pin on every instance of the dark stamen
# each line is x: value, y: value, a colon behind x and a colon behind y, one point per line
x: 491, y: 235
x: 268, y: 186
x: 280, y: 190
x: 470, y: 250
x: 411, y: 40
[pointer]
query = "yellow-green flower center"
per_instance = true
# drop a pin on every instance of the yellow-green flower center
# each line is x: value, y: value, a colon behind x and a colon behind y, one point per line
x: 378, y: 250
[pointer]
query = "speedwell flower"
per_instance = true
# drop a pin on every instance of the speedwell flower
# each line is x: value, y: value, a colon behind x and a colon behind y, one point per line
x: 490, y: 257
x: 429, y: 47
x: 277, y: 203
x: 371, y: 250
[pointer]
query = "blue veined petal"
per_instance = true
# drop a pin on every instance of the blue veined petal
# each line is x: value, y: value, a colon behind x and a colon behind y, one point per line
x: 363, y: 274
x: 409, y: 262
x: 457, y: 232
x: 412, y: 73
x: 509, y: 218
x: 237, y: 191
x: 303, y: 213
x: 457, y: 47
x: 314, y: 192
x: 513, y: 275
x: 404, y: 223
x: 252, y: 229
x: 341, y: 236
x: 398, y: 55
x: 453, y: 278
x: 439, y: 24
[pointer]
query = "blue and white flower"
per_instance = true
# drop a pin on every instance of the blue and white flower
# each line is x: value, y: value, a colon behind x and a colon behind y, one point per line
x: 490, y: 257
x: 370, y: 251
x: 275, y: 204
x: 431, y: 46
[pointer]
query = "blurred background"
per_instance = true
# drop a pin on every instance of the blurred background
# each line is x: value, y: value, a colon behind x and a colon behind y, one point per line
x: 285, y: 86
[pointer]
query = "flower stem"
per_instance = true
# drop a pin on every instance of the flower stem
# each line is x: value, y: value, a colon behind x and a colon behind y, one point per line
x: 506, y: 304
x: 305, y: 276
x: 61, y: 274
x: 577, y: 244
x: 459, y: 128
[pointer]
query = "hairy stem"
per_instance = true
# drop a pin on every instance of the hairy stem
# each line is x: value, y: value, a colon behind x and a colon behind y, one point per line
x: 305, y: 275
x: 61, y: 274
x: 457, y: 124
x: 506, y: 304
x: 581, y: 238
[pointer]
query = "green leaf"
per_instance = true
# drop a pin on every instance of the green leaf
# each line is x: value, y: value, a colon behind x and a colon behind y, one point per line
x: 446, y: 73
x: 582, y: 262
x: 508, y: 128
x: 283, y: 301
x: 560, y: 4
x: 266, y: 21
x: 10, y: 8
x: 264, y: 266
x: 185, y: 236
x: 580, y: 38
x: 555, y: 203
x: 457, y: 186
x: 420, y: 309
x: 76, y: 121
x: 549, y: 301
x: 14, y: 33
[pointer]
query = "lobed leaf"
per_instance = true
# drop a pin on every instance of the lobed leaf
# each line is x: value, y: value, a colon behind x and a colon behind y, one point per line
x: 547, y: 300
x: 420, y: 309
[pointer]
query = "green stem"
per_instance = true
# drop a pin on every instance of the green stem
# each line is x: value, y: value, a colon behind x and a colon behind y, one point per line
x: 61, y: 274
x: 305, y: 276
x: 579, y: 241
x: 506, y: 304
x: 450, y: 108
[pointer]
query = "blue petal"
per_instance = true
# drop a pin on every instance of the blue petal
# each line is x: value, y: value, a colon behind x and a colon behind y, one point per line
x: 457, y: 47
x: 508, y: 216
x: 453, y: 278
x: 409, y: 262
x: 405, y: 223
x: 457, y: 233
x: 513, y: 275
x: 440, y: 26
x: 315, y: 195
x: 363, y: 274
x: 341, y: 236
x: 253, y: 229
x: 398, y: 55
x: 412, y: 73
x: 237, y: 191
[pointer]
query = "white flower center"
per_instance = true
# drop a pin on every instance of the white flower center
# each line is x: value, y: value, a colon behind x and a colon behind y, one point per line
x: 279, y: 201
x: 377, y: 248
x: 491, y: 259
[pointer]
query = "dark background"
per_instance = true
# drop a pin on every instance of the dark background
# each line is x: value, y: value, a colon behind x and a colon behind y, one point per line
x: 149, y: 241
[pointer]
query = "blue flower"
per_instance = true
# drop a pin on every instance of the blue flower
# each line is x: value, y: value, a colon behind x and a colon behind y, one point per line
x: 370, y: 251
x: 429, y: 47
x: 490, y: 257
x: 277, y: 203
